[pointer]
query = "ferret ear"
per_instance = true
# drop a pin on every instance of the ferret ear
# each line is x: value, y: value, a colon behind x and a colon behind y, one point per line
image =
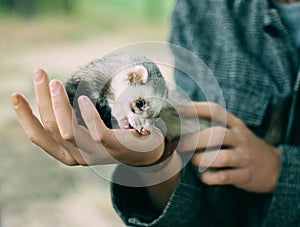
x: 137, y: 74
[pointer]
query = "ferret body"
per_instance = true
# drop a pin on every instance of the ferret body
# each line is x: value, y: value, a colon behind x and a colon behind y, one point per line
x: 129, y: 91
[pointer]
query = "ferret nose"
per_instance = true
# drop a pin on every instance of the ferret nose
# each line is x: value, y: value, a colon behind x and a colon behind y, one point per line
x: 140, y: 104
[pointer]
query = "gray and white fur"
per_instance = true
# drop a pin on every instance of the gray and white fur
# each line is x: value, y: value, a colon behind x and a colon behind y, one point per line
x: 129, y: 91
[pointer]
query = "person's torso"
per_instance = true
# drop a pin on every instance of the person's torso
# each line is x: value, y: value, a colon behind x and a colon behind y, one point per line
x: 251, y: 55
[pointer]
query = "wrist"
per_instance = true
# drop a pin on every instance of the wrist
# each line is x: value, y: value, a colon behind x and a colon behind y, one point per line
x: 277, y: 156
x: 167, y: 179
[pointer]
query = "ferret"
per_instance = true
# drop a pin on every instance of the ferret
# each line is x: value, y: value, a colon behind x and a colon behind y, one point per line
x: 129, y: 91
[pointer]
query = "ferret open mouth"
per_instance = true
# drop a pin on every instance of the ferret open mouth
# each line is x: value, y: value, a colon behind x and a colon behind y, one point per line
x: 124, y: 123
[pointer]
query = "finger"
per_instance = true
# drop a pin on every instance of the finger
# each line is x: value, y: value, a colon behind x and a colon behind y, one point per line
x: 62, y: 110
x: 235, y: 177
x: 217, y: 159
x: 92, y: 119
x: 97, y: 130
x: 66, y: 122
x: 217, y: 136
x: 35, y: 131
x: 43, y: 98
x: 208, y: 110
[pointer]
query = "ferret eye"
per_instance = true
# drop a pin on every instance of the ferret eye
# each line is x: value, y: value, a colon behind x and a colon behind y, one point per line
x: 140, y: 103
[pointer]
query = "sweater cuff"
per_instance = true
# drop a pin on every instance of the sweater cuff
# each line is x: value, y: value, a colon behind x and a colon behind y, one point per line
x: 285, y: 203
x: 135, y: 208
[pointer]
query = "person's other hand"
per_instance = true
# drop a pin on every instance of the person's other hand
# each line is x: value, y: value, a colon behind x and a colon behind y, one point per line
x: 58, y: 133
x: 243, y: 160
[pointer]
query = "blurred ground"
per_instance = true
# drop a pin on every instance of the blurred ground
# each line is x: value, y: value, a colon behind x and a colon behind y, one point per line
x: 35, y: 190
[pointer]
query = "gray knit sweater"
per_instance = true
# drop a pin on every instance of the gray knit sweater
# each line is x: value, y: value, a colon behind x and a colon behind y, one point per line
x: 250, y: 52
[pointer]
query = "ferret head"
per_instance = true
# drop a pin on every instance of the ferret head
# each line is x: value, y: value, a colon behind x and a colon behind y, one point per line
x: 139, y: 94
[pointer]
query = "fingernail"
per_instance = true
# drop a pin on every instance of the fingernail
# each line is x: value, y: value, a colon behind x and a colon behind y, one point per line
x: 85, y: 107
x: 83, y: 101
x: 38, y: 76
x: 54, y: 87
x: 15, y: 101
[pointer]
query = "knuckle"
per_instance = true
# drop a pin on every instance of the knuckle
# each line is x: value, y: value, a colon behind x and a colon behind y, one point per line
x: 196, y: 160
x: 245, y: 158
x: 68, y: 136
x: 99, y: 139
x: 50, y: 127
x: 243, y: 142
x: 103, y: 138
x: 217, y: 134
x: 82, y: 162
x: 240, y: 123
x: 247, y: 175
x: 215, y: 108
x: 224, y: 133
x: 48, y: 123
x: 219, y: 128
x: 228, y: 136
x: 205, y: 179
x: 222, y: 177
x: 69, y: 162
x: 224, y: 158
x: 32, y: 138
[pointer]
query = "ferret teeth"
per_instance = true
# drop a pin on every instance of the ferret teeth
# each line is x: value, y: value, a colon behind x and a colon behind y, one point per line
x: 145, y: 132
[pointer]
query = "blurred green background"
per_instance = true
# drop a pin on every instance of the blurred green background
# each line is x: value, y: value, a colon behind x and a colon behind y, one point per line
x: 60, y: 35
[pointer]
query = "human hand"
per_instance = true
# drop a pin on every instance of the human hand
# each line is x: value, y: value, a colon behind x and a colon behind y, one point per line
x: 243, y: 160
x: 59, y: 134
